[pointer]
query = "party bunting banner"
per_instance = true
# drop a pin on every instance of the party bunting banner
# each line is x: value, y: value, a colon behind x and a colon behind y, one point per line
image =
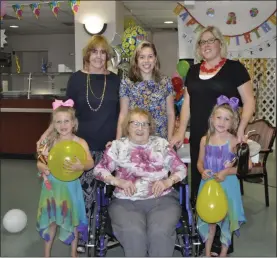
x: 244, y: 38
x: 35, y: 9
x: 18, y: 9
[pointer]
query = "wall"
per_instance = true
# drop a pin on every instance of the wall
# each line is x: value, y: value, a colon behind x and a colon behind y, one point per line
x: 244, y: 23
x: 166, y: 43
x: 59, y: 47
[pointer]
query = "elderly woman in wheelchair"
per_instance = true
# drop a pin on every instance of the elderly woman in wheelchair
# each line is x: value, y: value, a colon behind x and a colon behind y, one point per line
x: 145, y: 208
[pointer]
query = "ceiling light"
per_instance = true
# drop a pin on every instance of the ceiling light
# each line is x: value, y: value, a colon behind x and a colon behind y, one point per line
x: 14, y: 26
x: 168, y: 22
x: 95, y: 25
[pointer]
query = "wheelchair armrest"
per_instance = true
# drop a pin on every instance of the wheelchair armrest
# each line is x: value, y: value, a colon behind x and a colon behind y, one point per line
x: 184, y: 182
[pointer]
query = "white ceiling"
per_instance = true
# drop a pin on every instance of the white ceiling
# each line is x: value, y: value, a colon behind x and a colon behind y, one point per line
x: 150, y: 14
x: 153, y: 14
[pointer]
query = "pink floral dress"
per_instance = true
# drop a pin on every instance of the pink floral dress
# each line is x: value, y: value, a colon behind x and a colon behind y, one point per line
x: 141, y: 164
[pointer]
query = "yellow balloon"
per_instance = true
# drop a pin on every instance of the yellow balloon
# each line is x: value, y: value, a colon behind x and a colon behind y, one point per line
x: 65, y: 150
x: 211, y: 203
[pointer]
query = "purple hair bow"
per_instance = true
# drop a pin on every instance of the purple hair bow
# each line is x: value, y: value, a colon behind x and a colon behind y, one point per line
x: 233, y: 102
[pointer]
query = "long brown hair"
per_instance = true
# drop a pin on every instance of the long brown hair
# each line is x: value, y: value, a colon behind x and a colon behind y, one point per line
x: 134, y: 71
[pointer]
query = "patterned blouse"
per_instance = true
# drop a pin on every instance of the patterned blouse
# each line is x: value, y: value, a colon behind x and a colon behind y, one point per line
x: 141, y: 164
x: 151, y: 96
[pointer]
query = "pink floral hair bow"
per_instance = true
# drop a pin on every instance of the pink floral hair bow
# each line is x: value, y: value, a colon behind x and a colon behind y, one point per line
x: 59, y: 103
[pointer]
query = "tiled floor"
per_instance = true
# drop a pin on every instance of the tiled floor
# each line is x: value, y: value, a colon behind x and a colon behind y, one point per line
x: 20, y: 188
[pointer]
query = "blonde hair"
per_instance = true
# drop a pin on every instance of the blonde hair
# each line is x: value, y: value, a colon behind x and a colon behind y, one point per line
x: 218, y: 35
x: 234, y: 116
x: 96, y: 41
x: 141, y: 112
x: 53, y: 136
x: 134, y: 71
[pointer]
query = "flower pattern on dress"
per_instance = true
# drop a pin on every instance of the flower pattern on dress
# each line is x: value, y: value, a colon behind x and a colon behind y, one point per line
x: 141, y: 164
x: 151, y: 96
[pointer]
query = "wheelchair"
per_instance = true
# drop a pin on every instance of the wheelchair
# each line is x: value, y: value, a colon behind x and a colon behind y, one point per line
x: 101, y: 238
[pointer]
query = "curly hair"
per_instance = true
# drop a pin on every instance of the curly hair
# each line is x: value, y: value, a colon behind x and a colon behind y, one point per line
x: 134, y: 71
x: 137, y: 111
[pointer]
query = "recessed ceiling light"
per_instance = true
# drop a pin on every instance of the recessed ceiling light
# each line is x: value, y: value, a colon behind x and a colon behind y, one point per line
x: 168, y: 22
x: 14, y: 26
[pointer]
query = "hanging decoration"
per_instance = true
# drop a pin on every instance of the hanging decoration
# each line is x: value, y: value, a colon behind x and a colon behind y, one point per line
x: 132, y: 36
x: 74, y: 4
x: 35, y: 7
x: 239, y: 39
x: 232, y: 18
x: 3, y: 38
x: 2, y: 9
x: 54, y: 7
x: 210, y: 12
x: 18, y: 9
x: 254, y: 12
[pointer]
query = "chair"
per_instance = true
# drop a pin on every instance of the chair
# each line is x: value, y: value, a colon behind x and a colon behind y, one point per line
x: 264, y: 134
x: 101, y: 237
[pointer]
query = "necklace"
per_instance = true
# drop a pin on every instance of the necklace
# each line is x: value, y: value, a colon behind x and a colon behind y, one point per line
x: 100, y: 98
x: 212, y: 70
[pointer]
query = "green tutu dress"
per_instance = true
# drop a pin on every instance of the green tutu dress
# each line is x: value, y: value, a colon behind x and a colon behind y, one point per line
x: 63, y: 205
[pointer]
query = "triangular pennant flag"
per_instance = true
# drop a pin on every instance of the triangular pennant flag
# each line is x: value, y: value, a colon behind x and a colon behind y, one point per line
x: 35, y: 7
x: 74, y: 4
x: 55, y: 7
x: 18, y: 9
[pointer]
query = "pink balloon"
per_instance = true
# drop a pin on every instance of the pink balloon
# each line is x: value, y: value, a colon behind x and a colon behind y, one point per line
x: 175, y: 74
x: 3, y: 8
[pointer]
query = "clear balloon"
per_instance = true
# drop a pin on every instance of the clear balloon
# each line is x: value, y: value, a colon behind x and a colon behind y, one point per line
x: 211, y: 203
x: 62, y: 151
x: 15, y: 220
x: 116, y: 57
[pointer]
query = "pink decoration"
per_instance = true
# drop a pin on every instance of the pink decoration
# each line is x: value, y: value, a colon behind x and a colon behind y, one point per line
x: 59, y: 103
x: 3, y: 8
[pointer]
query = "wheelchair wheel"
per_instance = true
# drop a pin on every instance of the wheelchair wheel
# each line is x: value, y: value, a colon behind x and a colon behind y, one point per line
x: 91, y: 244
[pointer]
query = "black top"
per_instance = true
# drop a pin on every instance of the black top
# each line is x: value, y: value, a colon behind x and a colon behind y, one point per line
x: 97, y: 128
x: 203, y: 93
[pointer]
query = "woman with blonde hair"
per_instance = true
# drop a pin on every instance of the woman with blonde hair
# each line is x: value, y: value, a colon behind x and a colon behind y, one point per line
x: 94, y: 91
x: 148, y: 89
x: 215, y: 75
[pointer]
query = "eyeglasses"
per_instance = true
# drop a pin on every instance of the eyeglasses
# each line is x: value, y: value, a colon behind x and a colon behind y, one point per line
x: 209, y: 42
x: 137, y: 124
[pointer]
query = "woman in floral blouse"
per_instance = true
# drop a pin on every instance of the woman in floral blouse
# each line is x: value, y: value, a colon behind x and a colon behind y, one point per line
x: 147, y: 89
x: 145, y: 208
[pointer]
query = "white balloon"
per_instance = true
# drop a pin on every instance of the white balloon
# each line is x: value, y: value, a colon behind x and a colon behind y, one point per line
x: 15, y: 220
